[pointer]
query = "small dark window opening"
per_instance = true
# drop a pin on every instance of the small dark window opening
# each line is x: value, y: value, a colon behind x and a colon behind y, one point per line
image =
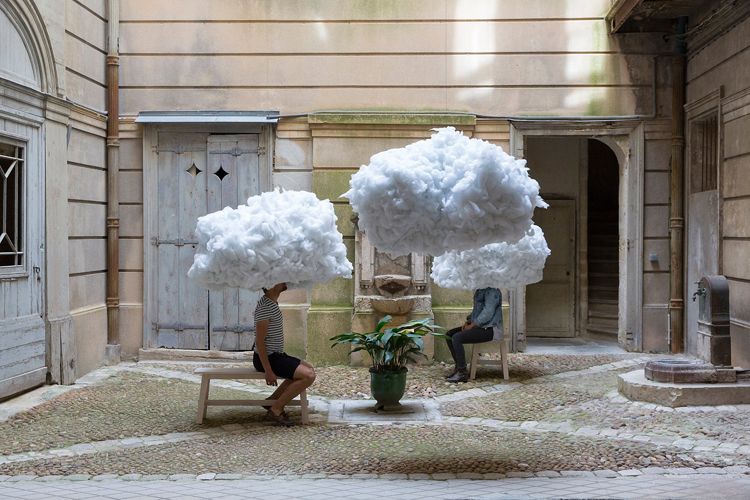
x: 704, y: 152
x: 11, y: 204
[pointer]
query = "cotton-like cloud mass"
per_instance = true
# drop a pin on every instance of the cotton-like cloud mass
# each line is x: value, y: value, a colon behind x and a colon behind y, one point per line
x: 498, y: 265
x: 445, y: 193
x: 288, y: 237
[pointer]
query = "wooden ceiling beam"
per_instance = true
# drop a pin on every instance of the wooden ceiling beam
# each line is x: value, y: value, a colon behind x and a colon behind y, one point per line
x: 620, y: 12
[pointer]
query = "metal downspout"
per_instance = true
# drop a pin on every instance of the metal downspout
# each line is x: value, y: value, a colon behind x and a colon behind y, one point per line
x: 676, y: 205
x: 113, y: 174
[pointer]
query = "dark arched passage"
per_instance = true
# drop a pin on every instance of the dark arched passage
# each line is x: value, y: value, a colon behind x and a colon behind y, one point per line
x: 603, y: 239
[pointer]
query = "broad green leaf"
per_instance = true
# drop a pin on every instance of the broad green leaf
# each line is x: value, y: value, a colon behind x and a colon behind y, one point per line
x: 420, y: 343
x: 382, y: 323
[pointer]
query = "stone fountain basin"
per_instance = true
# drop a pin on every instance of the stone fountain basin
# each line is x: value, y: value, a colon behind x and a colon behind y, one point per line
x: 399, y: 305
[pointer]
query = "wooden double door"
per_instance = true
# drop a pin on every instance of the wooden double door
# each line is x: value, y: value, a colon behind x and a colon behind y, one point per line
x: 199, y: 173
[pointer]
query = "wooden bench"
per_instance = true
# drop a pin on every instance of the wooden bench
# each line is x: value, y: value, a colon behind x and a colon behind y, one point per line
x: 476, y: 360
x: 208, y: 374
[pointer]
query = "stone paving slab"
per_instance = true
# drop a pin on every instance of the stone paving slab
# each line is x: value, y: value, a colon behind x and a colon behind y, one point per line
x: 604, y: 473
x: 732, y: 487
x: 358, y: 411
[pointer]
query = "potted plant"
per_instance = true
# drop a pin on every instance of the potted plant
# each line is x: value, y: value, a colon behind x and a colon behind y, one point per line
x: 390, y: 350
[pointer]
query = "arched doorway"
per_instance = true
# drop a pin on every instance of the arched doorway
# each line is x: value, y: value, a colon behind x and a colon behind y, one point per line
x: 557, y: 155
x: 603, y: 240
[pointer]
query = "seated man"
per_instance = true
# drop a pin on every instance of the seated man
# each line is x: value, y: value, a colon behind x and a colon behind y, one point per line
x: 487, y: 312
x: 269, y: 356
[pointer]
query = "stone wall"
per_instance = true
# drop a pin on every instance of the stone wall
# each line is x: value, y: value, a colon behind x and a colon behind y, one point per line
x: 723, y: 65
x: 537, y: 57
x: 85, y: 77
x: 658, y: 142
x: 452, y: 55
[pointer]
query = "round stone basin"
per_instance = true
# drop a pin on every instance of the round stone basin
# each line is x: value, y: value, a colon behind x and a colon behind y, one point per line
x: 680, y: 371
x: 401, y: 305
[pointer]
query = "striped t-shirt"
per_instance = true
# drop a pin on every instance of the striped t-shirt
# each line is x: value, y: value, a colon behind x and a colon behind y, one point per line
x: 268, y: 309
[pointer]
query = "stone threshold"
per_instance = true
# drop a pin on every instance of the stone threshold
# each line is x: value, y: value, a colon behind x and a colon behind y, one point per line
x: 737, y: 470
x: 197, y: 355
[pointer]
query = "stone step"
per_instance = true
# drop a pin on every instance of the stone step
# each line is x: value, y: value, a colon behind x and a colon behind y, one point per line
x: 598, y: 328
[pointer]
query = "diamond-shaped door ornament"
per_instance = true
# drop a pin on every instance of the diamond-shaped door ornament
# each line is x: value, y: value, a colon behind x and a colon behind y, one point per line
x: 194, y: 171
x: 221, y: 173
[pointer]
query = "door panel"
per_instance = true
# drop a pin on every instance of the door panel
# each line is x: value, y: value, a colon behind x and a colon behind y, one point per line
x: 182, y: 320
x: 234, y: 177
x: 22, y: 328
x: 550, y: 304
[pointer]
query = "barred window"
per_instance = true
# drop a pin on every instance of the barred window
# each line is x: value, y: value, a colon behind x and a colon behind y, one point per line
x: 704, y: 154
x: 11, y: 204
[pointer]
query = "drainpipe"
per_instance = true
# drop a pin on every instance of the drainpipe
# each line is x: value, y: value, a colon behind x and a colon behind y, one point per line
x: 113, y: 174
x: 676, y: 205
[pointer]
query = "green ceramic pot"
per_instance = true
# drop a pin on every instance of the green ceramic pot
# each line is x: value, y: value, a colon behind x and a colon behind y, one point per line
x: 388, y: 387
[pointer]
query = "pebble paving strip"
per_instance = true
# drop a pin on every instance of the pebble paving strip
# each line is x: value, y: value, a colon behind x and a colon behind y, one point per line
x: 369, y: 449
x: 535, y: 401
x: 725, y: 426
x: 126, y: 405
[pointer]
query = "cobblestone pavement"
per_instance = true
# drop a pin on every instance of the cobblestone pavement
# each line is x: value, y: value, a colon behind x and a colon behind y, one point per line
x: 351, y: 382
x: 135, y: 422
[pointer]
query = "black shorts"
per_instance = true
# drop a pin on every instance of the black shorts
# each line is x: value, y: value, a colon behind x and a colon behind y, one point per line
x: 282, y: 364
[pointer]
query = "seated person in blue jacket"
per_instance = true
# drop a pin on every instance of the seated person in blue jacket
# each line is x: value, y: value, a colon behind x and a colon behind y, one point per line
x: 487, y: 312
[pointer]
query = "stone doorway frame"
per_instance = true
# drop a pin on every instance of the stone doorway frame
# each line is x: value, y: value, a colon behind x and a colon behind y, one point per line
x: 626, y: 138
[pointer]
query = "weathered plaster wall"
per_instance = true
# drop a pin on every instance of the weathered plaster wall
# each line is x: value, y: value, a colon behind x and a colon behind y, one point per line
x: 427, y: 55
x: 725, y: 62
x: 86, y: 51
x: 87, y: 238
x: 84, y: 62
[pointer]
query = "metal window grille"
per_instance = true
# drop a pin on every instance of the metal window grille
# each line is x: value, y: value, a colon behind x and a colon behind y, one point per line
x: 704, y: 154
x: 11, y: 204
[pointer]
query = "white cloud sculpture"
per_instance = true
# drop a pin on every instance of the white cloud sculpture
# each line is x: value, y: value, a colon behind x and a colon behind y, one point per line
x: 445, y: 193
x: 498, y: 265
x: 278, y: 237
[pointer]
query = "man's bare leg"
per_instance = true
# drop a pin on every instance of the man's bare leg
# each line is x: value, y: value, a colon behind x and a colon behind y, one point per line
x: 304, y: 376
x: 280, y: 389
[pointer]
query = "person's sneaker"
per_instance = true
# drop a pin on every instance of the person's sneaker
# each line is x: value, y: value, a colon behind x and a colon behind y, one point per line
x: 455, y: 370
x: 282, y: 419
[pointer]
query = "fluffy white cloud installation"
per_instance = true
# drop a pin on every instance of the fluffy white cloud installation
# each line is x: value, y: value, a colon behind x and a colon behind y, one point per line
x: 498, y: 265
x: 445, y: 193
x: 288, y: 237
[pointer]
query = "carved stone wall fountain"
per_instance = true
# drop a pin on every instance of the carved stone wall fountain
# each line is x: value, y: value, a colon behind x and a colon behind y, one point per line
x: 386, y: 285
